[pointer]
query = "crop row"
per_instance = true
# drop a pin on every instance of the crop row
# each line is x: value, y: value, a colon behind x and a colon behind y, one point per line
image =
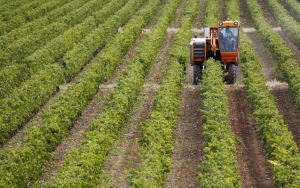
x: 40, y: 23
x: 17, y: 51
x: 69, y: 106
x: 7, y: 15
x: 157, y: 142
x: 290, y: 27
x: 57, y: 47
x: 211, y: 13
x: 20, y: 104
x: 280, y: 146
x: 293, y: 6
x: 105, y: 129
x: 28, y: 15
x: 219, y: 165
x: 7, y: 5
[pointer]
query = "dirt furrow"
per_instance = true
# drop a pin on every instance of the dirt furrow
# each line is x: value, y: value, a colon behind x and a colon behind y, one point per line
x: 287, y: 108
x: 199, y: 20
x: 222, y: 11
x: 188, y: 151
x: 175, y: 22
x: 252, y: 164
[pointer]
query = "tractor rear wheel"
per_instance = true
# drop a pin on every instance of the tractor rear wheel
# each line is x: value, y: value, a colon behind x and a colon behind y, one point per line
x: 196, y: 74
x: 231, y: 74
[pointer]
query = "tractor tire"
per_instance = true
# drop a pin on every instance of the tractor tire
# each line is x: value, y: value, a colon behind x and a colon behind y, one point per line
x: 196, y: 74
x: 231, y: 74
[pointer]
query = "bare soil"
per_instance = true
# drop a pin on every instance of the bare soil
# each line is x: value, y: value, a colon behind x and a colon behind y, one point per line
x: 199, y: 20
x: 264, y: 56
x: 290, y: 45
x: 287, y: 108
x: 252, y: 164
x: 222, y: 11
x: 267, y: 14
x: 244, y: 16
x: 188, y: 151
x: 176, y: 22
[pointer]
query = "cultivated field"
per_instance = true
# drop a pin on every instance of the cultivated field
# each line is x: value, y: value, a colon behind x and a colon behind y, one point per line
x: 98, y: 93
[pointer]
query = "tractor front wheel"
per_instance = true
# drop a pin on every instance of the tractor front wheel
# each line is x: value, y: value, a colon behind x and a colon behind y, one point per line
x: 196, y: 74
x: 231, y: 74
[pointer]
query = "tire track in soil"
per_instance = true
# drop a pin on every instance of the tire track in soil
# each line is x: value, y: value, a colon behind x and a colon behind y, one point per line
x: 188, y: 151
x: 287, y: 108
x: 264, y: 56
x: 252, y: 164
x: 125, y: 156
x: 176, y: 22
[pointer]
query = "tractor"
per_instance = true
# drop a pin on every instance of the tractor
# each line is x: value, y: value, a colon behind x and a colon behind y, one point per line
x: 220, y: 43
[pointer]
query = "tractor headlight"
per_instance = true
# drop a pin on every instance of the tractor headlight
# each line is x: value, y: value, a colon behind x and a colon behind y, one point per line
x: 236, y: 23
x: 221, y: 23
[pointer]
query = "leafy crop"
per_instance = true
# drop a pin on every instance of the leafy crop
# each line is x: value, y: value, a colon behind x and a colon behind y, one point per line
x: 219, y: 166
x: 290, y: 27
x: 23, y: 165
x: 211, y: 13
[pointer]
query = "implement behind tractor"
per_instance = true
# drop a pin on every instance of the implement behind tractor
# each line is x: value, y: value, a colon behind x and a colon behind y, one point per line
x: 220, y: 43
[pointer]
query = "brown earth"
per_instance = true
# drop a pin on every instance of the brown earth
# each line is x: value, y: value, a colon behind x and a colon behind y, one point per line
x: 222, y: 11
x: 267, y: 14
x: 287, y: 108
x: 176, y: 22
x: 188, y: 151
x: 252, y: 164
x: 264, y: 56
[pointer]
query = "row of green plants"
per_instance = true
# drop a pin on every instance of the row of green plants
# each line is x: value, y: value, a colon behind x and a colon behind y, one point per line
x: 293, y: 7
x: 281, y: 149
x: 7, y: 15
x: 6, y: 5
x: 219, y: 165
x: 58, y: 46
x: 56, y: 123
x: 290, y: 27
x: 157, y: 141
x: 211, y: 13
x: 9, y: 78
x: 105, y: 130
x: 19, y: 49
x: 281, y: 53
x: 81, y: 52
x: 13, y: 115
x: 28, y: 15
x: 40, y: 23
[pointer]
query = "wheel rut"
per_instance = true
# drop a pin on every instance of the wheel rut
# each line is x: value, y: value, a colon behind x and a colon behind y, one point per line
x: 188, y: 151
x: 287, y: 108
x: 252, y: 164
